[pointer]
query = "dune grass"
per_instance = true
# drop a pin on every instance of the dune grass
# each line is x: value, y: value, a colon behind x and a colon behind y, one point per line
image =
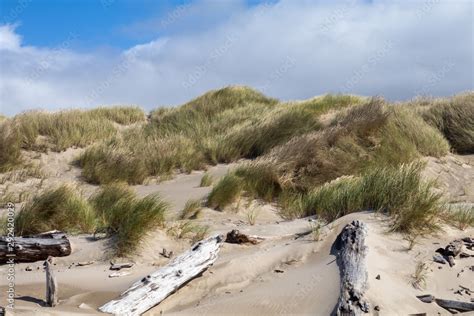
x: 370, y: 148
x: 252, y: 215
x: 398, y: 192
x: 221, y: 126
x: 191, y: 209
x: 206, y: 180
x: 10, y: 155
x: 456, y: 122
x: 104, y: 203
x: 108, y: 162
x: 419, y: 137
x: 188, y: 229
x: 124, y: 115
x: 60, y: 208
x: 57, y: 131
x: 115, y: 208
x: 126, y: 216
x: 459, y: 215
x: 61, y: 130
x: 228, y: 124
x: 363, y: 137
x: 225, y: 192
x: 419, y: 277
x: 453, y: 117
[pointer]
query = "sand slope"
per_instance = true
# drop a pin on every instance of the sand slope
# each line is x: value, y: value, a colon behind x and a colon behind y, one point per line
x: 244, y: 280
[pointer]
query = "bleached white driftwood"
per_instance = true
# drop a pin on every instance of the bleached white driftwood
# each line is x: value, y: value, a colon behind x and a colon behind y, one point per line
x: 119, y: 274
x: 154, y: 288
x: 352, y: 262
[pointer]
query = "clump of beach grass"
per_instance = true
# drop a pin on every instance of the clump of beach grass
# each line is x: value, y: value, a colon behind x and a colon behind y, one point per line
x: 60, y: 208
x: 316, y: 230
x: 126, y: 216
x: 191, y: 209
x: 398, y: 192
x: 206, y: 180
x: 124, y: 115
x: 225, y: 192
x: 199, y: 233
x: 291, y: 204
x: 107, y: 163
x: 420, y: 275
x: 57, y: 131
x: 454, y: 117
x: 252, y: 215
x: 10, y: 155
x: 459, y: 215
x: 411, y: 238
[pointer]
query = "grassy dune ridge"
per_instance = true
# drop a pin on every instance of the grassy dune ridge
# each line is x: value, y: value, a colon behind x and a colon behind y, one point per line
x: 220, y: 126
x: 329, y: 156
x: 57, y: 131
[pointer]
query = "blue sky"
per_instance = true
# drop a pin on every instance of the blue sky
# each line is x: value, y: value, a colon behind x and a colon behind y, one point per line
x: 57, y: 54
x: 102, y: 23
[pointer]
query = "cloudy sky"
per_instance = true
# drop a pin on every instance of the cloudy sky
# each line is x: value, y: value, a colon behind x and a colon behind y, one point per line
x: 62, y: 54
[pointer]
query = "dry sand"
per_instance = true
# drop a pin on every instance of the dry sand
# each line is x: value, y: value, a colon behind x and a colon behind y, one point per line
x: 247, y: 279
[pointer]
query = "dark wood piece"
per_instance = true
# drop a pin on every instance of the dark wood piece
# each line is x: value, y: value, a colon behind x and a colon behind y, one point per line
x: 236, y: 237
x: 36, y: 247
x: 459, y: 306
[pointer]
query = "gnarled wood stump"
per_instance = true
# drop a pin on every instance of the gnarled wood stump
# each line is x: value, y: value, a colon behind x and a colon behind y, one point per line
x: 352, y: 262
x: 51, y: 283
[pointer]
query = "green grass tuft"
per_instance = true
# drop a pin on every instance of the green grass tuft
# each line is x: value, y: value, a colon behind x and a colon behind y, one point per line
x: 206, y: 180
x: 124, y: 115
x: 191, y: 209
x: 398, y: 192
x: 10, y: 155
x: 102, y: 164
x: 460, y: 215
x: 453, y: 117
x: 60, y: 208
x: 126, y: 216
x: 225, y: 192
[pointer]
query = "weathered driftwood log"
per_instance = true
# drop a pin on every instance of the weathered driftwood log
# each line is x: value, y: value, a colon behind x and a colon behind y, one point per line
x: 456, y: 305
x: 51, y: 283
x: 36, y: 247
x: 352, y: 262
x: 154, y: 288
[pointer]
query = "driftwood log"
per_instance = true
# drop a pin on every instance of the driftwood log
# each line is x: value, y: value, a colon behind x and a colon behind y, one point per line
x: 36, y: 247
x: 456, y: 305
x: 352, y: 262
x: 154, y: 288
x: 51, y: 283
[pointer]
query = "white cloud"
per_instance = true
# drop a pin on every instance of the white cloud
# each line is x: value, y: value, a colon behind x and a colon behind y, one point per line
x: 290, y: 49
x: 9, y: 40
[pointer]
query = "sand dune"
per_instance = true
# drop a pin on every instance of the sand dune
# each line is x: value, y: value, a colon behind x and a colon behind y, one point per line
x: 281, y: 275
